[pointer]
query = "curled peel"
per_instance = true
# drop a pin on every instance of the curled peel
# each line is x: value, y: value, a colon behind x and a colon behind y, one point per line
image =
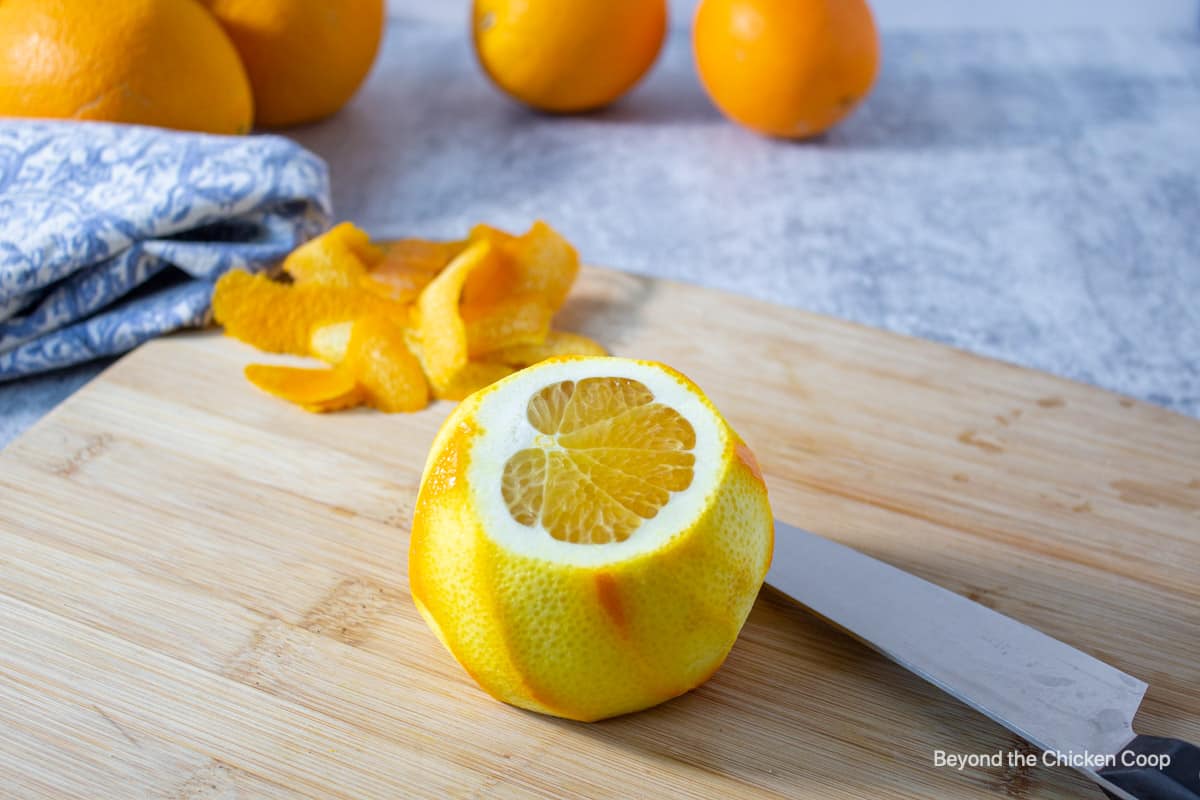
x: 556, y: 343
x: 330, y: 342
x: 408, y: 265
x: 547, y: 264
x: 419, y: 255
x: 342, y: 256
x: 441, y: 331
x: 500, y: 292
x: 348, y: 400
x: 539, y: 262
x: 471, y: 378
x: 379, y: 359
x: 491, y: 281
x: 315, y: 390
x: 376, y: 354
x: 264, y: 313
x: 345, y: 258
x: 486, y: 232
x: 280, y: 318
x: 402, y: 322
x: 523, y: 319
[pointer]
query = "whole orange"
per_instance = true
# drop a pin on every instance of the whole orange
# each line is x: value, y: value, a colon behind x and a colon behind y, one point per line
x: 154, y: 62
x: 568, y: 55
x: 789, y: 68
x: 305, y: 58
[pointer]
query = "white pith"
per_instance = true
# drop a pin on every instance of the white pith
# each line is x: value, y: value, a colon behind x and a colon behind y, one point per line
x: 501, y: 416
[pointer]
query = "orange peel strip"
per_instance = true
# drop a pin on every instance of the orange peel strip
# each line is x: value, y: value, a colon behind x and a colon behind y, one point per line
x: 339, y: 257
x: 314, y: 389
x: 557, y: 343
x: 380, y: 360
x: 408, y: 265
x: 351, y: 399
x: 330, y: 342
x: 451, y: 317
x: 547, y: 264
x: 261, y: 312
x: 524, y: 319
x: 280, y: 318
x: 424, y: 256
x: 471, y: 378
x: 491, y: 234
x: 441, y: 332
x: 540, y: 262
x: 490, y: 282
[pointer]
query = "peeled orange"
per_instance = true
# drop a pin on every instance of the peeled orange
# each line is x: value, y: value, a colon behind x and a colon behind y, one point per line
x: 589, y: 536
x: 787, y: 68
x: 567, y: 55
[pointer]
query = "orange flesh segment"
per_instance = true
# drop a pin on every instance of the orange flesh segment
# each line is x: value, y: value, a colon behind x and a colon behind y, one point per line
x: 608, y: 458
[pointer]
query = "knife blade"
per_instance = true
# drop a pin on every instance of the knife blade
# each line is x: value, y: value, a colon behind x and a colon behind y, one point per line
x: 1058, y: 698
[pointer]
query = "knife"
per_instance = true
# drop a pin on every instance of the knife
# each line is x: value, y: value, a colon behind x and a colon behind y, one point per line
x: 1076, y: 708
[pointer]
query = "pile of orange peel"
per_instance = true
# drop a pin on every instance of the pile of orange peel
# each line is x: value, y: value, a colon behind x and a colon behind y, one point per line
x: 400, y: 323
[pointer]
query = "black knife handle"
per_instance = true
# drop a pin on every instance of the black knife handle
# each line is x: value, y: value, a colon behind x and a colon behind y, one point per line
x: 1178, y: 780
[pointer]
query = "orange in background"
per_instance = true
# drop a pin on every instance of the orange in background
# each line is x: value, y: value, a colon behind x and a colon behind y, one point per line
x: 151, y: 62
x: 788, y: 68
x: 567, y: 55
x: 305, y: 58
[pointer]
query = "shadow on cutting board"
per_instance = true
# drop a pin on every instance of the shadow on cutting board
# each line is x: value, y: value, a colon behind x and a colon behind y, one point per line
x: 802, y: 709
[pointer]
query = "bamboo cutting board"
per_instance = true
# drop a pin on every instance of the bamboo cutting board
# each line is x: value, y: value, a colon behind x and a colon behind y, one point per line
x: 203, y: 591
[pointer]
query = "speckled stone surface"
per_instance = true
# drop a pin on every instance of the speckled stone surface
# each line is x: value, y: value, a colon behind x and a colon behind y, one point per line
x: 1031, y: 197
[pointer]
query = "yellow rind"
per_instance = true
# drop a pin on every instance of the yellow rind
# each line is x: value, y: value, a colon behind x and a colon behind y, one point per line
x: 587, y: 642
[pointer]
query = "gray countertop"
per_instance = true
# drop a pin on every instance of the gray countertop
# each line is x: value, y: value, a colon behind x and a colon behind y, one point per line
x: 1034, y: 197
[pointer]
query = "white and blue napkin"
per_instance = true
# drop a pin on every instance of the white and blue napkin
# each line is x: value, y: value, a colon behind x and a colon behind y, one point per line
x: 113, y: 234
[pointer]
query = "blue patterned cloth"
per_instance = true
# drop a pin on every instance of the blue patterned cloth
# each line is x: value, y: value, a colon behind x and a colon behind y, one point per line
x: 113, y: 234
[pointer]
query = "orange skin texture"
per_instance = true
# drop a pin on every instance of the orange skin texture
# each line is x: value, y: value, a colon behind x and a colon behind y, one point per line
x: 151, y: 62
x: 657, y: 625
x: 566, y: 56
x: 786, y: 68
x: 305, y: 58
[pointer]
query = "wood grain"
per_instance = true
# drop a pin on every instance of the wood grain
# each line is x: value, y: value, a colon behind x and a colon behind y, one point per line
x: 203, y: 591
